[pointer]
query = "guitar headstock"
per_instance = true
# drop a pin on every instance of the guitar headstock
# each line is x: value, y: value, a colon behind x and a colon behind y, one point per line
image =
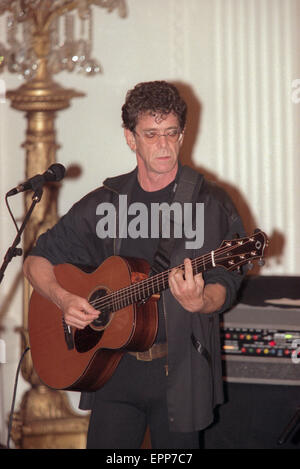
x: 234, y: 253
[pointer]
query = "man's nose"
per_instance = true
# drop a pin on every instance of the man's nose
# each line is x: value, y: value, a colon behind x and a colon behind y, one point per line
x: 163, y: 140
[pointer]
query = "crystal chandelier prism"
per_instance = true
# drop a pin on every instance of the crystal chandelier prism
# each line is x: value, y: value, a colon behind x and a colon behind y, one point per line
x: 69, y: 28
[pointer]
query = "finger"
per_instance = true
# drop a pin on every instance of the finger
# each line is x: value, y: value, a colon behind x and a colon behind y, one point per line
x: 178, y: 275
x: 199, y: 282
x: 188, y: 272
x: 87, y: 307
x: 78, y: 317
x: 199, y: 279
x: 175, y: 280
x: 76, y: 323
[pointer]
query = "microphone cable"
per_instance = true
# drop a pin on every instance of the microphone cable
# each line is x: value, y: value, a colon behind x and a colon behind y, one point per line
x: 11, y: 214
x: 14, y: 396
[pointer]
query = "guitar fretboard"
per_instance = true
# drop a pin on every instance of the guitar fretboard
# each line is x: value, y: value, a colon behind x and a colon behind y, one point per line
x: 143, y: 289
x: 231, y: 255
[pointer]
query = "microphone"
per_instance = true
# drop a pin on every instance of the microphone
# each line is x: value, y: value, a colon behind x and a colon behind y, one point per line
x: 55, y: 173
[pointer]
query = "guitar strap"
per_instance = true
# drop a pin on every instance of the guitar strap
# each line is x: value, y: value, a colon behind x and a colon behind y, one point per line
x: 186, y: 187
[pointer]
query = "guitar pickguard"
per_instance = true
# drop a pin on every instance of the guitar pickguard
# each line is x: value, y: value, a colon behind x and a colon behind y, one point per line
x: 85, y: 339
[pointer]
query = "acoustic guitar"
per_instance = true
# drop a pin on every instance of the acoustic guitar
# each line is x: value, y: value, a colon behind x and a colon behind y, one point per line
x: 126, y: 297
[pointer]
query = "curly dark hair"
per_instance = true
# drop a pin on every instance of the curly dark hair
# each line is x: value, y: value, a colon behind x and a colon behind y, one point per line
x: 154, y: 97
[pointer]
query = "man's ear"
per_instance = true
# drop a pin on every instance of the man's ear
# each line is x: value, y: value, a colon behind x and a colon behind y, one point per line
x: 181, y: 137
x: 130, y: 139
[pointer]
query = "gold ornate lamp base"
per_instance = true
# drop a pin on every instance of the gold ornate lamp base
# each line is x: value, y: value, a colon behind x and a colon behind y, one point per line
x: 47, y: 421
x: 45, y: 418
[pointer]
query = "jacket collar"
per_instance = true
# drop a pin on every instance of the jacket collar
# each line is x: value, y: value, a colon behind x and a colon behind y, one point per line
x: 124, y: 182
x: 121, y: 183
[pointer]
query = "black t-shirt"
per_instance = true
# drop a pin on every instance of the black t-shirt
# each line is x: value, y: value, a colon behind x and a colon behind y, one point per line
x: 145, y: 247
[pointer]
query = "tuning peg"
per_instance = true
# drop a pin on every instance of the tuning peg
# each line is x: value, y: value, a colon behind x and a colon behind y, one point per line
x: 250, y: 265
x: 261, y: 262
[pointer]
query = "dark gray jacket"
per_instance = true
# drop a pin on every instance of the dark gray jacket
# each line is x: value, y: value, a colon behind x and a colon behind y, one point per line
x: 195, y: 377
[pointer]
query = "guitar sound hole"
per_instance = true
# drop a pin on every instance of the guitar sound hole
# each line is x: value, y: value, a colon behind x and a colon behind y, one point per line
x: 85, y: 339
x: 105, y: 310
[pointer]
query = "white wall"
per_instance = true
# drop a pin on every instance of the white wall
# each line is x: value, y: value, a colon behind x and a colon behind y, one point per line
x: 235, y: 61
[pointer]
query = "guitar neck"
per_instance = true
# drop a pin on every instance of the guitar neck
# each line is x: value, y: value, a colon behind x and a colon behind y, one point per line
x: 155, y: 284
x: 231, y: 255
x: 160, y: 282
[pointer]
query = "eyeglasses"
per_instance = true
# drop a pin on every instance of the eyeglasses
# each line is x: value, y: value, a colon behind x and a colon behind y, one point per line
x: 152, y: 136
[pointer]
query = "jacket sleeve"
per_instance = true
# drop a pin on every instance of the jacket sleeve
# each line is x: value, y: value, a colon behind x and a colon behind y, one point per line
x: 223, y: 218
x: 71, y: 240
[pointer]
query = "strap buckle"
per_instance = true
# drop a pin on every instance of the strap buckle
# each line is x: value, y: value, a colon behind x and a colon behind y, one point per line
x: 144, y: 356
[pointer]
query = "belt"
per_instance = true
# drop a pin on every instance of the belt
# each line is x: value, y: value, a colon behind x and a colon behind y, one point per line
x: 156, y: 351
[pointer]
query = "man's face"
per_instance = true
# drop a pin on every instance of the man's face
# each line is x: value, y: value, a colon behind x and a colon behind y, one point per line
x: 156, y: 154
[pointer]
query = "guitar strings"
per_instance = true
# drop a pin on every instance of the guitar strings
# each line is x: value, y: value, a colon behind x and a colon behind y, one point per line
x: 127, y: 293
x: 135, y: 288
x: 130, y: 292
x: 133, y: 291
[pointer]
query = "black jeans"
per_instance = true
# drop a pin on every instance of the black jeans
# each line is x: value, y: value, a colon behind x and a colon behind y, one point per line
x: 133, y: 398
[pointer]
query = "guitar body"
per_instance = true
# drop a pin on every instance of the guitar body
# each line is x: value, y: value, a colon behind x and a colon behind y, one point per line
x: 97, y: 350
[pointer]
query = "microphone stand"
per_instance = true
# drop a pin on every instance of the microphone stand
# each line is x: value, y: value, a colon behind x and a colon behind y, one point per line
x: 13, y: 251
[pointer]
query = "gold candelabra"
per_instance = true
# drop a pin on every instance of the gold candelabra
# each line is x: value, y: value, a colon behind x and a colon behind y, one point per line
x: 45, y: 418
